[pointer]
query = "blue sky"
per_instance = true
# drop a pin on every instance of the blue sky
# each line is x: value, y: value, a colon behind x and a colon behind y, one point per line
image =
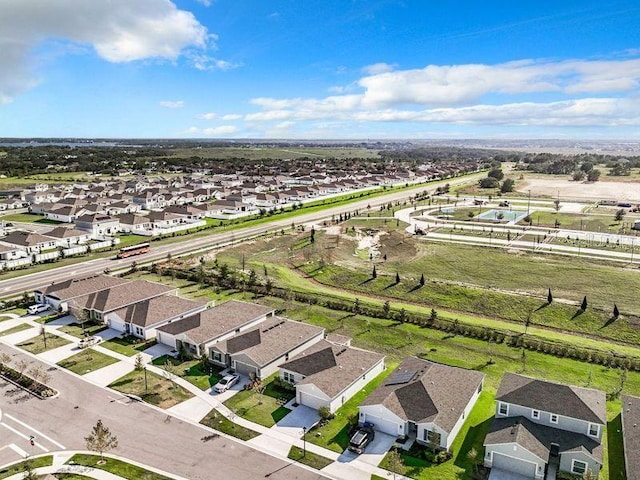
x: 320, y: 69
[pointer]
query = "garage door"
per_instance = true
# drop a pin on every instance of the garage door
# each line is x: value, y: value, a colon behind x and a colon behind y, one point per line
x: 311, y: 401
x: 166, y: 339
x: 243, y: 368
x: 515, y: 465
x: 382, y: 424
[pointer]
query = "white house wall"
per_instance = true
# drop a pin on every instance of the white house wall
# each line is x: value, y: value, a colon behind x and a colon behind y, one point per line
x: 456, y: 428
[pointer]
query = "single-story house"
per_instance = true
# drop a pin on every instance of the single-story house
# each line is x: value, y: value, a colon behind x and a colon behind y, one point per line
x: 141, y: 319
x: 59, y: 294
x: 262, y: 349
x: 425, y: 399
x: 98, y: 224
x: 67, y: 237
x: 194, y: 334
x: 328, y: 374
x: 30, y: 242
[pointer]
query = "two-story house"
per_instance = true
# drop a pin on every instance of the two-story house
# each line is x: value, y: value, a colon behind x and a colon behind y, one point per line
x: 541, y: 428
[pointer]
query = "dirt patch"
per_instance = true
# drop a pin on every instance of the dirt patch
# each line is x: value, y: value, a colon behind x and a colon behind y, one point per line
x: 396, y: 245
x: 549, y: 187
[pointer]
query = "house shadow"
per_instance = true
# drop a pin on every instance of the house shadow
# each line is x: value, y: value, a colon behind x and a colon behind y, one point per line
x: 577, y: 314
x: 609, y: 322
x: 615, y: 445
x: 474, y: 438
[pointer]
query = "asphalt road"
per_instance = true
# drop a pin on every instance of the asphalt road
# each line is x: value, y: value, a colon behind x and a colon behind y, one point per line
x: 16, y: 286
x: 143, y: 433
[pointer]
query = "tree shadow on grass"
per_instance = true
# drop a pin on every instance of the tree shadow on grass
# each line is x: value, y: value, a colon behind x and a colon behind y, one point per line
x: 577, y: 314
x: 391, y: 285
x: 370, y: 279
x: 544, y: 305
x: 417, y: 287
x: 608, y: 322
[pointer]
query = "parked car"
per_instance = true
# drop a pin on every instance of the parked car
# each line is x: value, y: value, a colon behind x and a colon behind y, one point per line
x: 38, y: 308
x: 505, y: 203
x: 89, y: 342
x: 226, y: 383
x: 363, y: 437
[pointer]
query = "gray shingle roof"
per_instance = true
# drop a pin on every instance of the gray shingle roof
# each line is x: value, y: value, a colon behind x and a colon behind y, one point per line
x: 538, y: 438
x: 432, y: 393
x: 575, y: 402
x: 332, y: 367
x: 81, y: 286
x: 26, y: 239
x: 120, y: 296
x: 631, y: 434
x: 156, y: 310
x: 214, y: 322
x: 270, y: 340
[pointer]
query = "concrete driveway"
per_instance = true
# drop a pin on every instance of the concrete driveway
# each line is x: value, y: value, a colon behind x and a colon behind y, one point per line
x: 375, y: 451
x: 224, y: 396
x: 497, y: 474
x: 109, y: 374
x: 156, y: 351
x: 300, y: 417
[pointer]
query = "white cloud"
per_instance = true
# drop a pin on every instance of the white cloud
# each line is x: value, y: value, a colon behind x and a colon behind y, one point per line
x: 459, y: 94
x: 118, y: 31
x: 231, y: 116
x: 222, y: 130
x: 377, y: 68
x: 172, y: 103
x: 206, y: 3
x: 202, y: 61
x: 206, y: 116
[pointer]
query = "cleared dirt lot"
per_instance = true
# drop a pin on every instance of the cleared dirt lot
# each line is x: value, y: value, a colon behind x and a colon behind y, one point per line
x: 549, y: 187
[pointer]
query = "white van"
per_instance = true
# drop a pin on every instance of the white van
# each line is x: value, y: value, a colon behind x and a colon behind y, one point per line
x: 38, y: 308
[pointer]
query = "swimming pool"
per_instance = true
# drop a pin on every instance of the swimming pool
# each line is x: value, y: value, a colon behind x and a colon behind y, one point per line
x: 512, y: 216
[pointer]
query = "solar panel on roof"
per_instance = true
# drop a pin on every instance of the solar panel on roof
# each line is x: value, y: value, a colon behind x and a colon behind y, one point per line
x: 401, y: 377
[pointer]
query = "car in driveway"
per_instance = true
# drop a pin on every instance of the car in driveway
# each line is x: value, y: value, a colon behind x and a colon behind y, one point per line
x: 89, y: 342
x: 226, y: 383
x: 37, y: 308
x: 363, y: 436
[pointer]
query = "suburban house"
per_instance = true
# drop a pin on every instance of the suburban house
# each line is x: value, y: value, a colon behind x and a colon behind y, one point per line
x: 423, y: 399
x: 196, y: 333
x: 329, y: 373
x: 631, y: 434
x: 100, y: 305
x: 67, y: 237
x: 141, y: 319
x: 542, y: 427
x: 261, y: 350
x: 29, y: 242
x: 58, y: 295
x: 98, y: 224
x: 11, y: 252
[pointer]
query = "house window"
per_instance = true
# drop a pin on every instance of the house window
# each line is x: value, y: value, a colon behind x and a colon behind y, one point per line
x: 578, y: 467
x: 217, y: 357
x: 139, y: 331
x: 535, y: 414
x: 594, y: 429
x: 431, y: 437
x: 553, y: 418
x: 503, y: 408
x: 288, y: 377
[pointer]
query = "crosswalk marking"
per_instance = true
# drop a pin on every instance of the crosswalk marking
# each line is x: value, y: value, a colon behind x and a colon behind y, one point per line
x: 40, y: 434
x: 26, y: 437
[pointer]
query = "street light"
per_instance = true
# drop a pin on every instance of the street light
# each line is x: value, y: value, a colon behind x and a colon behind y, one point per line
x: 304, y: 441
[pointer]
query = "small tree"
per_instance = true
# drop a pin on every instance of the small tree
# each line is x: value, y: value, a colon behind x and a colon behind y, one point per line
x: 386, y: 308
x: 325, y: 414
x: 395, y: 463
x: 5, y: 361
x: 422, y: 280
x: 21, y: 366
x: 433, y: 316
x: 29, y: 472
x: 374, y: 273
x: 101, y: 440
x: 549, y: 297
x: 472, y: 455
x: 397, y: 278
x: 620, y: 215
x: 616, y: 312
x: 140, y: 367
x: 43, y: 332
x: 82, y: 316
x: 584, y: 304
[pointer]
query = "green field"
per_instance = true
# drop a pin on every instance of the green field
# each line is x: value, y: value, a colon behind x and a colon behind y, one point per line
x: 38, y: 344
x: 87, y: 361
x: 159, y: 391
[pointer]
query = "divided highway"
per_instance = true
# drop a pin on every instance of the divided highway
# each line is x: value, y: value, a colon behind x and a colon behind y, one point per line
x: 28, y: 282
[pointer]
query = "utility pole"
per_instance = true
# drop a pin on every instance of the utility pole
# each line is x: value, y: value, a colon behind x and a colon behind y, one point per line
x: 529, y: 204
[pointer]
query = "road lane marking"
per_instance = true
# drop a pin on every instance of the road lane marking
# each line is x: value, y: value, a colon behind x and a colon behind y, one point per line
x: 57, y: 444
x: 26, y: 437
x: 18, y: 450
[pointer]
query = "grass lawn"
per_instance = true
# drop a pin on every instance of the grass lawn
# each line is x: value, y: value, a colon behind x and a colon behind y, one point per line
x: 471, y: 436
x: 117, y: 467
x: 86, y: 361
x: 128, y: 346
x: 21, y: 467
x: 218, y: 422
x: 192, y: 371
x: 26, y: 218
x: 36, y: 344
x: 160, y: 391
x: 311, y: 459
x: 18, y: 328
x: 334, y: 434
x: 75, y: 329
x: 263, y: 408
